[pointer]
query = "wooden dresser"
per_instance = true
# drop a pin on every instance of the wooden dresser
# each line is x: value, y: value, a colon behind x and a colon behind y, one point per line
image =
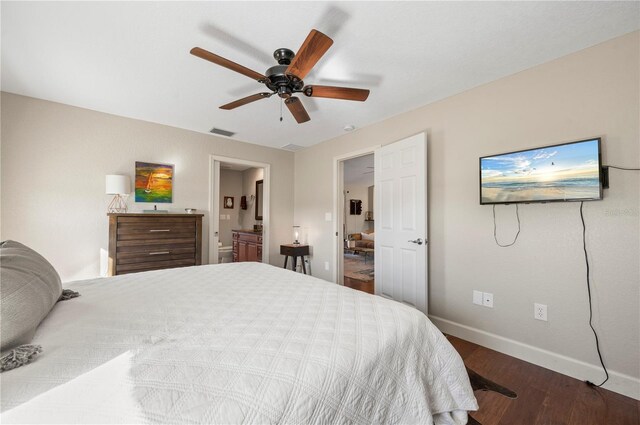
x: 247, y: 246
x: 142, y: 242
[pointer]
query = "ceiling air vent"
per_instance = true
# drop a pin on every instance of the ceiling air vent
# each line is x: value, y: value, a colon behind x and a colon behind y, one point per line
x: 292, y: 147
x: 221, y: 132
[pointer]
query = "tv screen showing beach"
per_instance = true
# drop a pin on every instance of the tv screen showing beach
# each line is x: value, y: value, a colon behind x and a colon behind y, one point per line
x: 568, y: 172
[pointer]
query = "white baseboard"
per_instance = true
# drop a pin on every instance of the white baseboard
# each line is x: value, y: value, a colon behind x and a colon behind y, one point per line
x: 618, y: 382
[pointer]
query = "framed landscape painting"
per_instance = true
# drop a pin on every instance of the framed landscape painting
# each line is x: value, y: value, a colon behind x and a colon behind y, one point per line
x: 154, y: 182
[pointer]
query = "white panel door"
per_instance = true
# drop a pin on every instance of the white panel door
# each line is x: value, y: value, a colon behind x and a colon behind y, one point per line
x: 401, y: 222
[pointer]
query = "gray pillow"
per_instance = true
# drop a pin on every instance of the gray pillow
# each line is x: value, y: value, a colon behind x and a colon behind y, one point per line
x: 29, y: 288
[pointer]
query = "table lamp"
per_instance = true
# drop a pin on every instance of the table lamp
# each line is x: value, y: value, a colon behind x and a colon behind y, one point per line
x: 118, y: 185
x: 296, y: 235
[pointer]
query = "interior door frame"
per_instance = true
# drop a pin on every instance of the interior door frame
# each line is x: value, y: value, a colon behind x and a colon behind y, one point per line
x: 214, y: 203
x: 338, y: 207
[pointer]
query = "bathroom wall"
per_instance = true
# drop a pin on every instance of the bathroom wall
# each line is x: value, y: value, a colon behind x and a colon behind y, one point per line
x: 230, y: 185
x: 249, y: 179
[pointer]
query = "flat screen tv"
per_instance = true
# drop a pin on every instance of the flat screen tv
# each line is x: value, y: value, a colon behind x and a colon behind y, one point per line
x: 565, y: 172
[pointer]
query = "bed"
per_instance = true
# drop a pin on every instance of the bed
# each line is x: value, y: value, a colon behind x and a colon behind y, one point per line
x: 235, y: 343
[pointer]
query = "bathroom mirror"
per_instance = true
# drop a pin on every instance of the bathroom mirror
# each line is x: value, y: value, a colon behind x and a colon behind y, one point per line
x: 258, y: 202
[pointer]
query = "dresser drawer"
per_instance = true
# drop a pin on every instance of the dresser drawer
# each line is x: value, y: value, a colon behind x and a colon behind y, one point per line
x: 142, y: 242
x: 247, y: 237
x: 156, y: 241
x: 155, y: 230
x: 155, y: 220
x: 150, y: 254
x: 123, y: 251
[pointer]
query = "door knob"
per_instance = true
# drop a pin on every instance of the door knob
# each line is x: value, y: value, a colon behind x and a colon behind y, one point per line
x: 418, y: 241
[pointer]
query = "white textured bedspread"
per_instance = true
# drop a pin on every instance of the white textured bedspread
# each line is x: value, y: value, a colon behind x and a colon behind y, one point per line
x: 235, y: 343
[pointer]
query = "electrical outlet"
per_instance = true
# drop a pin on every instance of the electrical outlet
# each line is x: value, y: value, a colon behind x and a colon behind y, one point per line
x: 540, y: 311
x: 477, y: 297
x: 326, y: 265
x: 487, y: 299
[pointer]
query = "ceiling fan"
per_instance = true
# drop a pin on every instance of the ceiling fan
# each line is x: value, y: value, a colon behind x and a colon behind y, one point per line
x: 286, y: 78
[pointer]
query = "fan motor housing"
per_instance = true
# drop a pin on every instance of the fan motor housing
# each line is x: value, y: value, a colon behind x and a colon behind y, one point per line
x: 278, y: 80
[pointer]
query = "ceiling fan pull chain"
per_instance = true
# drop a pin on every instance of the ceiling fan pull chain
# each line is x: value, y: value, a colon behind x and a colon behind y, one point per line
x: 281, y: 102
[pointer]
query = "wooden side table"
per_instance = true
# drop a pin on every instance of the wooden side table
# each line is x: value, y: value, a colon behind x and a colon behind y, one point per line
x: 294, y: 251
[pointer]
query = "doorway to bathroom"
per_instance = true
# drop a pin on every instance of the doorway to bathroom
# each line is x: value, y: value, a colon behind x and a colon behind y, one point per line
x: 239, y: 206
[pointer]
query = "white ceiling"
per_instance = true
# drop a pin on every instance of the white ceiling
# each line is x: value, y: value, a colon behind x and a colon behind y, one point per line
x: 230, y: 166
x: 359, y: 171
x: 132, y: 58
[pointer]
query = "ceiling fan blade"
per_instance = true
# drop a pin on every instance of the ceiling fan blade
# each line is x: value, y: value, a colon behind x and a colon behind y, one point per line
x: 315, y: 45
x: 246, y: 100
x: 219, y: 60
x: 297, y: 109
x: 331, y: 92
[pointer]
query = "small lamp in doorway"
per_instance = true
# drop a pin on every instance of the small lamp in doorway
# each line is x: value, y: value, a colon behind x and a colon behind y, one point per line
x: 120, y: 187
x: 296, y: 235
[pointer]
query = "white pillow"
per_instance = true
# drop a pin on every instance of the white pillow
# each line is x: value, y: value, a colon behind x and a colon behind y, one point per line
x: 368, y: 236
x: 30, y: 287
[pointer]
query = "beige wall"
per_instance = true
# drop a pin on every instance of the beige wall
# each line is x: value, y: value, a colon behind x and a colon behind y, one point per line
x: 593, y: 92
x: 249, y: 179
x: 356, y: 223
x: 230, y: 185
x: 54, y: 161
x: 55, y: 157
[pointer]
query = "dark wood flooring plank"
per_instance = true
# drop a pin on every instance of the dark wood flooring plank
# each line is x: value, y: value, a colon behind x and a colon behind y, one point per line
x: 464, y: 348
x: 525, y: 409
x: 499, y: 368
x: 589, y: 408
x: 620, y: 412
x: 560, y: 396
x: 492, y: 407
x: 360, y: 285
x: 544, y: 396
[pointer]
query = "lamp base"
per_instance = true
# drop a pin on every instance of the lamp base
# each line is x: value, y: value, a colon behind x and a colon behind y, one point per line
x: 117, y: 205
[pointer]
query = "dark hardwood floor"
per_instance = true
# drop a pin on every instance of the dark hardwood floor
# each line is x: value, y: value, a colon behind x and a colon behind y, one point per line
x: 544, y: 397
x: 360, y: 285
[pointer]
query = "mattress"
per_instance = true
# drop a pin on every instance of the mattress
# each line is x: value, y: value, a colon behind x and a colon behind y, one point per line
x: 235, y: 343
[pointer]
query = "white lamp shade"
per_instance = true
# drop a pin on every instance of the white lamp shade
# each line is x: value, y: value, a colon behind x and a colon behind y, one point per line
x: 118, y: 185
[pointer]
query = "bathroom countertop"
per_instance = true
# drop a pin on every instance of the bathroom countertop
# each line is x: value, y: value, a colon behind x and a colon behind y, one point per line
x: 253, y: 232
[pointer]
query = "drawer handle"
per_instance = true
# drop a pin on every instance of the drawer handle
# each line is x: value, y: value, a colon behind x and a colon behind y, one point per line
x: 160, y: 230
x: 160, y: 253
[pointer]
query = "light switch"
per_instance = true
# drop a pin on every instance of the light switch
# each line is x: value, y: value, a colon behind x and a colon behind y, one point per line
x: 477, y: 297
x: 327, y: 216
